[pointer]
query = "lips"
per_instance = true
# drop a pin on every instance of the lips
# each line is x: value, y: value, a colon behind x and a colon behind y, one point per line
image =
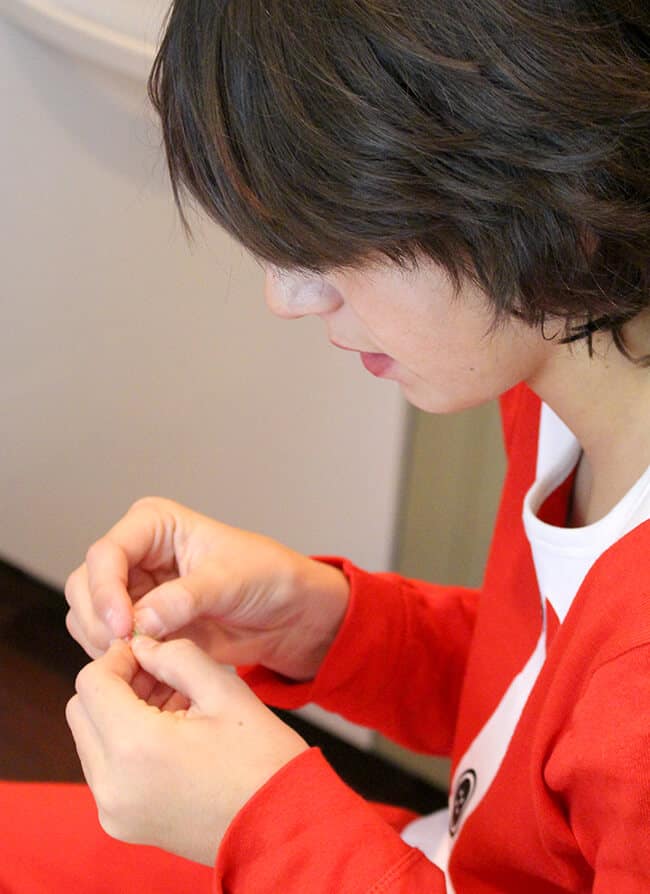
x: 377, y: 364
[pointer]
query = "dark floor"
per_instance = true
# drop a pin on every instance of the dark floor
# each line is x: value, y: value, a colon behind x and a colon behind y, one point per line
x: 38, y: 664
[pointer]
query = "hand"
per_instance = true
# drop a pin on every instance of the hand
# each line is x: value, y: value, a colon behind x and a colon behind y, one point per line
x: 173, y: 778
x: 243, y: 598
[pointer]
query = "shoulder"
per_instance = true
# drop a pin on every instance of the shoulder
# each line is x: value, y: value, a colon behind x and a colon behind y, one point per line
x: 598, y: 764
x: 610, y: 616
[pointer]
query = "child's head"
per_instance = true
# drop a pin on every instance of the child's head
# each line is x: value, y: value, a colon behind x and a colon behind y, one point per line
x: 506, y: 141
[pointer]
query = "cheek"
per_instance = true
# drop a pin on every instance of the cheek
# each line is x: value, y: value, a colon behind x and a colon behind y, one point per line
x: 460, y: 374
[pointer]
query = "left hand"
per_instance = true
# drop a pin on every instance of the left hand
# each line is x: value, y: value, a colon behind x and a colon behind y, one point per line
x: 173, y: 777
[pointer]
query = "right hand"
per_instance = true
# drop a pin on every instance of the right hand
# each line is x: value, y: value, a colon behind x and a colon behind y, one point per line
x: 243, y: 598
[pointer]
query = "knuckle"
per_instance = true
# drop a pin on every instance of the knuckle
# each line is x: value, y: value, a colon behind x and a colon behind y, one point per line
x: 117, y: 828
x: 142, y: 503
x: 71, y: 625
x: 94, y: 646
x: 71, y: 708
x: 191, y: 598
x: 111, y: 794
x: 110, y: 811
x: 106, y: 821
x: 84, y: 680
x: 103, y: 595
x: 148, y: 503
x: 71, y: 584
x: 77, y: 634
x: 96, y: 551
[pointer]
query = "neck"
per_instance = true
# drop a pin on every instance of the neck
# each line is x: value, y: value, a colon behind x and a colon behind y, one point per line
x: 605, y: 400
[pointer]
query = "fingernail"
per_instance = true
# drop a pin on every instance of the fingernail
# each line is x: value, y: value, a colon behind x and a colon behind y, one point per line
x: 109, y: 617
x: 148, y: 621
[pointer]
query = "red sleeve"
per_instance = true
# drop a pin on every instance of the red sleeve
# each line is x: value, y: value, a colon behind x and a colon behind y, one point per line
x: 306, y: 831
x: 397, y: 664
x: 601, y: 770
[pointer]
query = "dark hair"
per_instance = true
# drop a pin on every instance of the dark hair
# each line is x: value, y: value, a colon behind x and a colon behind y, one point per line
x: 506, y: 140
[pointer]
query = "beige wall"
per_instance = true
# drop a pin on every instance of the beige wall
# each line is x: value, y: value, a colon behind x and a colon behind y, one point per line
x: 451, y: 486
x: 454, y: 470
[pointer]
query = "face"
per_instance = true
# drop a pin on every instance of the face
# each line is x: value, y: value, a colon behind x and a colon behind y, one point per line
x: 414, y: 328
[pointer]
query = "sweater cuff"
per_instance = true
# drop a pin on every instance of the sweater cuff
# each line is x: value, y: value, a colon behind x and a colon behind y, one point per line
x: 305, y: 830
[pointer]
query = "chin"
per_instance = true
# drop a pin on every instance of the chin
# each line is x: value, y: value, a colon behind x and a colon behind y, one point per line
x: 445, y: 403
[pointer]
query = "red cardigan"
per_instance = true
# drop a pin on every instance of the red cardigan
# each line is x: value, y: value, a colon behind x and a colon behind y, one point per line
x: 568, y: 809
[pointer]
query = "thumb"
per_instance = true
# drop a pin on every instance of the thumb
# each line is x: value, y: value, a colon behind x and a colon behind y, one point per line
x: 104, y: 687
x: 182, y: 665
x: 176, y: 603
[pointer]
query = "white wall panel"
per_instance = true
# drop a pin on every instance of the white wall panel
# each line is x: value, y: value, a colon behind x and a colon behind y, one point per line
x: 132, y: 363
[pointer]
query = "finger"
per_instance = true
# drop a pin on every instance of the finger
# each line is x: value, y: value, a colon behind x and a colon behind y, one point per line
x: 158, y: 694
x: 176, y: 702
x: 86, y: 740
x: 143, y: 684
x: 105, y: 689
x: 75, y: 631
x: 140, y: 582
x: 177, y: 603
x: 143, y: 535
x: 150, y: 690
x: 188, y: 670
x: 89, y: 629
x: 108, y: 574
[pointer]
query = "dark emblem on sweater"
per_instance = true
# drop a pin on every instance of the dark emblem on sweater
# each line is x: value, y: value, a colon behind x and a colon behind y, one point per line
x: 463, y: 792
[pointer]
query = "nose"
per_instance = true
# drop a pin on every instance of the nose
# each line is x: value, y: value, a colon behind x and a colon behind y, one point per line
x: 294, y: 295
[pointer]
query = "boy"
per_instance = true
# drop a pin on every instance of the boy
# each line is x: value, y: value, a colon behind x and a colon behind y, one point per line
x: 458, y: 191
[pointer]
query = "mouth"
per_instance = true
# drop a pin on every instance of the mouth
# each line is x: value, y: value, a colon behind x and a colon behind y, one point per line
x: 377, y: 364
